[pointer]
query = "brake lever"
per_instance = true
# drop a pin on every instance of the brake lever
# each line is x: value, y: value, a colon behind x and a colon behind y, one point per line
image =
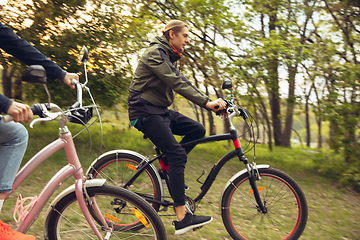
x: 50, y: 117
x: 222, y: 111
x: 243, y: 114
x: 33, y: 122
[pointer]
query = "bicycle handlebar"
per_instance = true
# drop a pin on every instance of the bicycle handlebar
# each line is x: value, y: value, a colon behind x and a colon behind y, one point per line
x: 37, y: 109
x: 232, y: 111
x: 77, y: 113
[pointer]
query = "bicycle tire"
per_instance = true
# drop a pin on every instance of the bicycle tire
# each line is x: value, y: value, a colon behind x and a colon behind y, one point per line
x: 115, y: 169
x: 66, y: 221
x: 286, y: 205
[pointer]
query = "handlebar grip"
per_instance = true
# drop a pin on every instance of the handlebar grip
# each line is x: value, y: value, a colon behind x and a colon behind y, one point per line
x: 7, y: 118
x: 36, y: 109
x: 218, y: 113
x: 223, y: 110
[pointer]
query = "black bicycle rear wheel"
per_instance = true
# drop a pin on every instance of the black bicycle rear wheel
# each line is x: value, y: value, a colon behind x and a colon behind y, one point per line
x: 118, y: 167
x: 283, y: 198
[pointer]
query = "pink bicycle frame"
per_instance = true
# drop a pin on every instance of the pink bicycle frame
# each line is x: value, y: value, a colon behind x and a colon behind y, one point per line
x: 65, y: 142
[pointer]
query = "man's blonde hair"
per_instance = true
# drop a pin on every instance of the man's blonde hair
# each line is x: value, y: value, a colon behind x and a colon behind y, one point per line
x: 174, y: 25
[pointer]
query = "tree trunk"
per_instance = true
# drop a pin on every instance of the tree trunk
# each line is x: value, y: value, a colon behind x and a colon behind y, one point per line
x: 332, y: 131
x: 307, y: 117
x: 275, y: 112
x: 319, y: 122
x: 197, y: 113
x: 203, y: 117
x: 273, y: 87
x: 264, y: 113
x: 245, y: 131
x: 194, y: 107
x: 267, y: 120
x: 212, y: 128
x: 269, y: 131
x: 290, y: 108
x: 18, y: 88
x: 264, y: 131
x: 6, y: 81
x: 116, y: 115
x: 307, y: 123
x: 257, y: 116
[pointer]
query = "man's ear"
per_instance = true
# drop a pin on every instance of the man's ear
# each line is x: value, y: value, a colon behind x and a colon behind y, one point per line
x: 171, y: 34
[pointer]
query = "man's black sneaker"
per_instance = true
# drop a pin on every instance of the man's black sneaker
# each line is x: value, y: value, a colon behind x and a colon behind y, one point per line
x: 190, y: 222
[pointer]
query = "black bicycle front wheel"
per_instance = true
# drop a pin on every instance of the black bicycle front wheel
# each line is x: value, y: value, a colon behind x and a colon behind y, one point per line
x: 117, y: 205
x: 283, y: 198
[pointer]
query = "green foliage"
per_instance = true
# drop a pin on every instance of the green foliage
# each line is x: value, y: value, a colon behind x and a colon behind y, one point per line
x: 351, y: 177
x: 333, y: 166
x: 59, y: 28
x: 330, y: 165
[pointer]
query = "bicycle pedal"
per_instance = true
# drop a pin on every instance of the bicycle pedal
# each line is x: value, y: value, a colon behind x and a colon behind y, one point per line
x: 197, y: 228
x: 21, y: 210
x: 164, y: 209
x: 161, y: 174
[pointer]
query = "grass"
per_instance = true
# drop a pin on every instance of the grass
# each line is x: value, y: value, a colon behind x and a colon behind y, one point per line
x: 333, y: 210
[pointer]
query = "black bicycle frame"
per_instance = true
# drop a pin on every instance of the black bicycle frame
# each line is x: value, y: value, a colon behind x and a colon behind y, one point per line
x: 215, y: 169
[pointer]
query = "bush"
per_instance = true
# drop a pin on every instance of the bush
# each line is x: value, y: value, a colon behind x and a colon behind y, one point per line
x: 333, y: 166
x: 351, y: 177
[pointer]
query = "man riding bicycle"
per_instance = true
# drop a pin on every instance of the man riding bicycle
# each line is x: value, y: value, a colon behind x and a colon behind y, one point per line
x: 151, y: 92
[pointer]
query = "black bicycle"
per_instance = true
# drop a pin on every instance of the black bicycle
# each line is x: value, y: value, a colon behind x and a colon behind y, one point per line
x: 259, y: 202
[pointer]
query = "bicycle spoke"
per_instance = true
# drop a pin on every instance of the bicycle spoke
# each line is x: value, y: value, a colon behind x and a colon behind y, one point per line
x: 73, y: 224
x: 102, y: 174
x: 276, y: 195
x: 244, y: 195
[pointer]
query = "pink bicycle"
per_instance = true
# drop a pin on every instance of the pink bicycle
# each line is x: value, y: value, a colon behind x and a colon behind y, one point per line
x: 89, y: 209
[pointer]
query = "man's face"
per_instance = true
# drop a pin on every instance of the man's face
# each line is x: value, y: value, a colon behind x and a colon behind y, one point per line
x: 179, y: 40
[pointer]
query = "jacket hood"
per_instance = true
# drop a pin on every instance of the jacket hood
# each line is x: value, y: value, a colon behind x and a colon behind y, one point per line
x: 165, y: 43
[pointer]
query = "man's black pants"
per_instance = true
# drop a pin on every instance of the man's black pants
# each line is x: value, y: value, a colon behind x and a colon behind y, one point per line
x: 160, y: 129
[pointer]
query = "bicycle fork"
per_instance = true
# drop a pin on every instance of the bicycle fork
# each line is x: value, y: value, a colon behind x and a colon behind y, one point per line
x: 254, y: 175
x: 80, y: 191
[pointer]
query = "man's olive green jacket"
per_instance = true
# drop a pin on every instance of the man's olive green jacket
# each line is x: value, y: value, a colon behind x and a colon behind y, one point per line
x: 155, y: 80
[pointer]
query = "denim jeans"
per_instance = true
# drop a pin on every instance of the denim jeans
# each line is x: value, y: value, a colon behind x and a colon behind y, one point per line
x: 13, y: 143
x: 160, y: 129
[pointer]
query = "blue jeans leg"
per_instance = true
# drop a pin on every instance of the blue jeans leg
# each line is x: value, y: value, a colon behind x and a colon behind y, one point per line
x: 13, y: 143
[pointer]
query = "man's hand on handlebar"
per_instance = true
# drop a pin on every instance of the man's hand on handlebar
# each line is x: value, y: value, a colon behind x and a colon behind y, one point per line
x: 216, y: 105
x: 20, y: 112
x: 68, y: 79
